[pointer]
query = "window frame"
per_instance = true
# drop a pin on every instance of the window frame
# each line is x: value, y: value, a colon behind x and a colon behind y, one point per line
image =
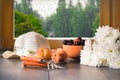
x: 109, y: 15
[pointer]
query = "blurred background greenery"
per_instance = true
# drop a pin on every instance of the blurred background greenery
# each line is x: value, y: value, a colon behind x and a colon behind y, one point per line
x: 71, y: 21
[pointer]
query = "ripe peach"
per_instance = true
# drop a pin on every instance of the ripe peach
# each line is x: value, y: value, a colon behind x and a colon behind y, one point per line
x: 43, y: 53
x: 59, y: 56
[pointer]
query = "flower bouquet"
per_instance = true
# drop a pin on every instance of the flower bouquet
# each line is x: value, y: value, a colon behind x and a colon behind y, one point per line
x: 104, y: 51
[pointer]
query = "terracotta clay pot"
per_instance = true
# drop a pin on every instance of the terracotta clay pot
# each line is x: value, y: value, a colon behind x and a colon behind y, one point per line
x: 73, y: 51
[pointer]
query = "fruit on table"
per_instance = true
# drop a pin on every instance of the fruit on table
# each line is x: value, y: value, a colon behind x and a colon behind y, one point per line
x: 77, y: 41
x: 59, y: 56
x: 43, y: 53
x: 73, y: 47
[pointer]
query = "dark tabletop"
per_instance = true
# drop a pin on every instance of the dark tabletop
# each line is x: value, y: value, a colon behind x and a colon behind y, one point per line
x: 13, y: 69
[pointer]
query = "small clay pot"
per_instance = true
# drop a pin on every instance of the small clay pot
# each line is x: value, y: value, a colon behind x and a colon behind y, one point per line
x: 73, y: 51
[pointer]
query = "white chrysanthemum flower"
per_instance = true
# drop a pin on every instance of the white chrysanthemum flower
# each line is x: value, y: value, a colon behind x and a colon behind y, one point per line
x: 22, y: 52
x: 115, y: 63
x: 96, y: 61
x: 86, y: 52
x: 105, y: 50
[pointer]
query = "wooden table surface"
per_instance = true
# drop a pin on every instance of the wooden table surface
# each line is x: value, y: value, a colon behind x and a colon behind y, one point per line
x: 13, y: 69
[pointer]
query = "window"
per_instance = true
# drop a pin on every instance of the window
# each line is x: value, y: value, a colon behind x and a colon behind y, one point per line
x: 109, y: 15
x: 57, y: 18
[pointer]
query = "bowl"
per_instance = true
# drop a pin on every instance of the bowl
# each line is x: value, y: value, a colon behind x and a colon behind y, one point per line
x: 73, y: 51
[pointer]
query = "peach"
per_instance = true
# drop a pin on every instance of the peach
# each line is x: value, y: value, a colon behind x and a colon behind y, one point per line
x: 43, y: 53
x: 59, y: 56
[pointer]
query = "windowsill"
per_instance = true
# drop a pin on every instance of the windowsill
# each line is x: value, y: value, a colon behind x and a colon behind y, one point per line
x: 64, y: 38
x: 67, y: 38
x: 56, y: 42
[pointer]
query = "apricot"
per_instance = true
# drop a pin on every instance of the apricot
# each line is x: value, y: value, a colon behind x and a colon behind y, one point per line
x: 43, y: 53
x: 59, y: 56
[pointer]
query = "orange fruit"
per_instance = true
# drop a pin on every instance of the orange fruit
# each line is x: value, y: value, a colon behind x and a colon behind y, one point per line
x: 43, y: 53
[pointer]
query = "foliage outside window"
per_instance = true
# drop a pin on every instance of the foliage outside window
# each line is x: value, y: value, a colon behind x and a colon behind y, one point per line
x: 68, y: 21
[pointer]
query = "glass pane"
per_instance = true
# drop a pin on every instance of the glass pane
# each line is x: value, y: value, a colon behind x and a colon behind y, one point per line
x: 57, y: 18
